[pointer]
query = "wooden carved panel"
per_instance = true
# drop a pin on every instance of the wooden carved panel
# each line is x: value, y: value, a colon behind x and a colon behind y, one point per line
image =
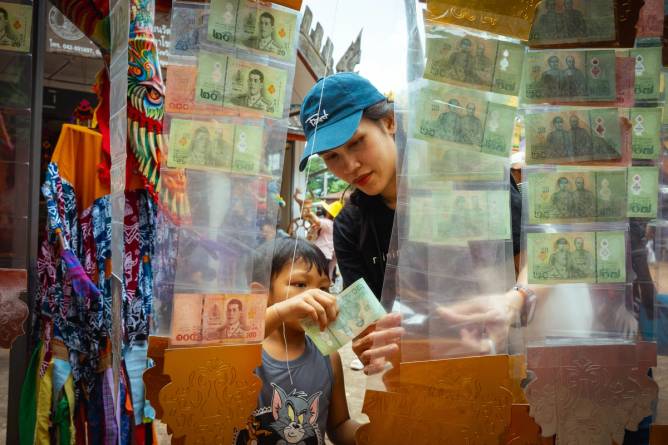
x: 211, y: 391
x: 523, y: 429
x: 590, y: 394
x: 658, y: 435
x: 458, y: 401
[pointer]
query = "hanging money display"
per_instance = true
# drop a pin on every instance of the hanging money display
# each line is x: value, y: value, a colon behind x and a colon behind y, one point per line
x: 453, y: 236
x: 592, y: 124
x: 228, y: 83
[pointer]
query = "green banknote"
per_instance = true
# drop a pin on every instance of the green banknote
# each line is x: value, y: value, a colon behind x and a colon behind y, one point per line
x: 648, y: 73
x: 573, y: 135
x: 576, y: 257
x: 215, y: 145
x: 560, y: 22
x: 460, y: 216
x: 211, y: 74
x: 645, y: 132
x: 421, y: 217
x: 255, y: 87
x: 576, y: 196
x: 248, y: 148
x: 466, y: 59
x: 643, y: 191
x: 223, y: 21
x: 266, y: 30
x: 358, y: 308
x: 456, y: 164
x: 611, y: 257
x: 464, y: 118
x: 570, y: 76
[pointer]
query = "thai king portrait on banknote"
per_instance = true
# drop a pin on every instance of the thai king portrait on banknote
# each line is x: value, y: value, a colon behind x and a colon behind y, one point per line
x: 266, y: 30
x: 576, y: 196
x: 15, y: 25
x: 562, y: 76
x: 561, y: 22
x: 576, y: 257
x: 465, y: 118
x: 467, y: 59
x: 255, y: 87
x: 564, y: 135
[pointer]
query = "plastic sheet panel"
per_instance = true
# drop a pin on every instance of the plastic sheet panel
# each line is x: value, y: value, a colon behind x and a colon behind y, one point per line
x: 454, y: 258
x: 229, y: 84
x: 591, y: 123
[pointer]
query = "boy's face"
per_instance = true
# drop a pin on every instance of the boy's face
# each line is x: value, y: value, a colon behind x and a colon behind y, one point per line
x: 303, y: 278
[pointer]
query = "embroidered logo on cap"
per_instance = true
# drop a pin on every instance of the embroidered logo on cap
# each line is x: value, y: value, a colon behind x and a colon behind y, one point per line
x: 316, y: 119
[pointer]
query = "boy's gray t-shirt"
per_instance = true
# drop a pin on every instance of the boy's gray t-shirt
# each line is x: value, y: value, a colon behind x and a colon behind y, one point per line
x: 290, y: 413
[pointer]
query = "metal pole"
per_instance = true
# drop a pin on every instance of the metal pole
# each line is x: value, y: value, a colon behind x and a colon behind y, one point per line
x: 20, y: 352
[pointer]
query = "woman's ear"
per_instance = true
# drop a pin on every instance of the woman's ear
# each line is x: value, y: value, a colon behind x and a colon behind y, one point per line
x: 389, y: 122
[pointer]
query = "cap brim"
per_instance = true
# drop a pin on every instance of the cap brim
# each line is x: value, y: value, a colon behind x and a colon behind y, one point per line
x: 329, y: 137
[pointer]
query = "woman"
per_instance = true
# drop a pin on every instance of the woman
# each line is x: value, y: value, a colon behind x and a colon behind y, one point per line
x: 351, y: 125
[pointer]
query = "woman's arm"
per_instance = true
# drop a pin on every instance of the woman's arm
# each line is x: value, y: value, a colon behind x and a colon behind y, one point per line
x: 340, y: 427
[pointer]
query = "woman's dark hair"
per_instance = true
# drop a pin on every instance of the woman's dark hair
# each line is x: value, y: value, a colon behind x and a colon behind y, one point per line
x: 379, y: 110
x: 282, y: 251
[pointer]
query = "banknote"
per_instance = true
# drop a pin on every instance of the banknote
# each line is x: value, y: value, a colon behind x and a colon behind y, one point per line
x: 573, y: 135
x: 645, y: 132
x: 650, y: 21
x: 211, y: 73
x: 255, y: 87
x: 462, y: 58
x: 188, y: 30
x: 643, y: 191
x: 233, y: 318
x: 461, y: 216
x: 200, y: 144
x: 456, y: 164
x: 186, y: 328
x: 222, y: 22
x: 358, y: 308
x: 558, y: 76
x: 266, y: 30
x: 576, y: 196
x: 648, y: 65
x: 611, y: 257
x: 248, y: 148
x: 561, y: 22
x: 15, y: 25
x: 454, y: 217
x: 464, y: 119
x: 576, y: 257
x: 180, y: 93
x: 626, y: 80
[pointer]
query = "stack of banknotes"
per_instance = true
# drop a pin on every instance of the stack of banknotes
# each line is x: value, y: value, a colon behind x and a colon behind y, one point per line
x: 358, y: 308
x: 592, y: 127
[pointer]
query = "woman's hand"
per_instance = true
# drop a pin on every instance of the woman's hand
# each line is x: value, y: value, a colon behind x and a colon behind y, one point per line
x: 315, y: 304
x: 378, y: 342
x: 484, y: 322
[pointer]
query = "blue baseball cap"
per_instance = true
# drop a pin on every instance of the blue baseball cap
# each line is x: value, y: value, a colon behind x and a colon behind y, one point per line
x: 332, y: 110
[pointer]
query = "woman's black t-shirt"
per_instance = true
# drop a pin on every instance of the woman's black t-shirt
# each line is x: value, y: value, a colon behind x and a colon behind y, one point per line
x: 362, y: 233
x: 363, y: 230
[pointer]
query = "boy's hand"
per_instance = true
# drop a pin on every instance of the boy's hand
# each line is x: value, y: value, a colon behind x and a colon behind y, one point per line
x: 314, y: 303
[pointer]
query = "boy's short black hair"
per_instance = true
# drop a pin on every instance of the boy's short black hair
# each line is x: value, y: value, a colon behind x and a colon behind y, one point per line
x: 282, y: 251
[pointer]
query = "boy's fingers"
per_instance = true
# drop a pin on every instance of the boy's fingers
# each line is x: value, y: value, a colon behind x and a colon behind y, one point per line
x: 322, y: 313
x: 329, y: 303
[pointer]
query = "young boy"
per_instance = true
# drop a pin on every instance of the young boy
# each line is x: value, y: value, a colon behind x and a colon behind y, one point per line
x: 303, y: 393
